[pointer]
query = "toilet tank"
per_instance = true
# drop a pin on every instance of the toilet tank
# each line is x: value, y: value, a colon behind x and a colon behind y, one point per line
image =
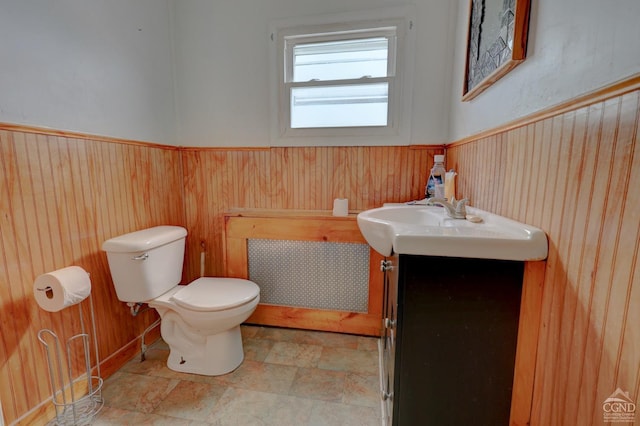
x: 146, y: 263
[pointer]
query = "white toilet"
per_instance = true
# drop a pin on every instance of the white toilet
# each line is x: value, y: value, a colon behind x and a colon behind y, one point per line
x: 200, y: 321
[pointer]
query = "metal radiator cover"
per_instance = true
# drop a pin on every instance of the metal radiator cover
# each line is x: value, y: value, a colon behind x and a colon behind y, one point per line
x: 311, y: 274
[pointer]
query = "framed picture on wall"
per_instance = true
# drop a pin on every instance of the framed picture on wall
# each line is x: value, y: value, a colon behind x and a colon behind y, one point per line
x: 496, y: 42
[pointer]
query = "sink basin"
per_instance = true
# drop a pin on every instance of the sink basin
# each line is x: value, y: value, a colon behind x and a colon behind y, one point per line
x: 428, y: 231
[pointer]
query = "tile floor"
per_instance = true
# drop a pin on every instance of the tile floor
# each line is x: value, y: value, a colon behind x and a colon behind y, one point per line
x: 289, y: 377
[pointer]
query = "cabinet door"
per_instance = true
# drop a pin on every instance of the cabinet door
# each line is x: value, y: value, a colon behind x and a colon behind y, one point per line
x: 456, y: 340
x: 390, y: 318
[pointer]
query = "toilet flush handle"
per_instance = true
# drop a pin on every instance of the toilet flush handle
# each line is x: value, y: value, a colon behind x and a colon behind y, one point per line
x: 143, y: 256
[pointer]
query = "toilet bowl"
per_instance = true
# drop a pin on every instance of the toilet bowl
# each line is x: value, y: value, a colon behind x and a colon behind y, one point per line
x: 200, y: 321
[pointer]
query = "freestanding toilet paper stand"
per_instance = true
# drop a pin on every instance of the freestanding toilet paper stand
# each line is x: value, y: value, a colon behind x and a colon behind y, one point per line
x: 70, y: 409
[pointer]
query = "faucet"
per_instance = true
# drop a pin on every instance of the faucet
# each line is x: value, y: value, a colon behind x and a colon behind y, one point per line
x: 455, y: 209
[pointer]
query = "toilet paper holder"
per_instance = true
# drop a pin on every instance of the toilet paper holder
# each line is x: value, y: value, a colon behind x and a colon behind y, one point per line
x: 47, y: 290
x: 70, y: 409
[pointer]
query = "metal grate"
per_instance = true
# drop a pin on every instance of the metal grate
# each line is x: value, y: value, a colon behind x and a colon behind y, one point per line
x: 311, y: 274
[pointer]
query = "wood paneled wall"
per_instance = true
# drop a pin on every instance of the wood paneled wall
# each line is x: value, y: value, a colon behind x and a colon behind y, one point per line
x: 576, y: 175
x: 217, y: 180
x: 60, y: 198
x: 62, y: 195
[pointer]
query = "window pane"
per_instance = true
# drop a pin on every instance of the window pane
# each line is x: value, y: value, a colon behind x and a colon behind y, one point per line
x: 339, y: 106
x: 338, y: 60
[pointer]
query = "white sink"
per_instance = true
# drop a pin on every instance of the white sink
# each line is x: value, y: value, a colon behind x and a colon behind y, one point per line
x: 426, y: 230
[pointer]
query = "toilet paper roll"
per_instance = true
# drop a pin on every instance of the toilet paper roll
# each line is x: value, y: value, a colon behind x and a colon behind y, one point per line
x: 340, y: 207
x: 59, y: 289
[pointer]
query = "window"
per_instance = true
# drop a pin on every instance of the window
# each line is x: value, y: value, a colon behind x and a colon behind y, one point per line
x: 341, y: 81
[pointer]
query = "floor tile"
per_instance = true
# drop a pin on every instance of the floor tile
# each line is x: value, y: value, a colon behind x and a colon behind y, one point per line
x: 190, y: 400
x: 109, y: 416
x: 154, y: 361
x: 367, y: 344
x: 277, y: 334
x: 297, y: 354
x: 248, y: 331
x: 246, y: 407
x: 362, y: 390
x: 288, y: 377
x: 320, y: 338
x: 363, y: 362
x: 314, y: 383
x: 257, y: 349
x: 136, y: 392
x: 259, y: 376
x: 335, y: 414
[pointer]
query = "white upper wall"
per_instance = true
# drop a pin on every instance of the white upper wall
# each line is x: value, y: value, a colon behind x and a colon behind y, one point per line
x: 105, y: 66
x: 100, y: 67
x: 575, y: 46
x: 222, y: 66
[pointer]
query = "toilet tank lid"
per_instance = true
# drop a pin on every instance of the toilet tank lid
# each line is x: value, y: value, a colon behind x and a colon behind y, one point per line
x: 144, y: 239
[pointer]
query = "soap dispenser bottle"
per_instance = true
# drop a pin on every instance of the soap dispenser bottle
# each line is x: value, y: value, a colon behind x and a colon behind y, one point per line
x: 435, y: 184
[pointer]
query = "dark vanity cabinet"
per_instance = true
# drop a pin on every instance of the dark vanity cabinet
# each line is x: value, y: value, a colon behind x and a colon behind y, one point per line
x: 450, y: 332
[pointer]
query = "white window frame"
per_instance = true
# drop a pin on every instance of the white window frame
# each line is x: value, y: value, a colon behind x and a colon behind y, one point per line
x: 328, y: 27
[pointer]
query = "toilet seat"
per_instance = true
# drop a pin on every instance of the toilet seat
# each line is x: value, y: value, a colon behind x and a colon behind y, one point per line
x: 215, y: 294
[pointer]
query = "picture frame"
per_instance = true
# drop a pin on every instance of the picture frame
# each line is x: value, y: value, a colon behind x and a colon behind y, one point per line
x: 496, y: 42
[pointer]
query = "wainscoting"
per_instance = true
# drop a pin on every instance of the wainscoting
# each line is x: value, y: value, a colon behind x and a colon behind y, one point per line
x: 62, y: 194
x: 572, y: 171
x: 216, y: 180
x: 60, y: 198
x: 575, y: 174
